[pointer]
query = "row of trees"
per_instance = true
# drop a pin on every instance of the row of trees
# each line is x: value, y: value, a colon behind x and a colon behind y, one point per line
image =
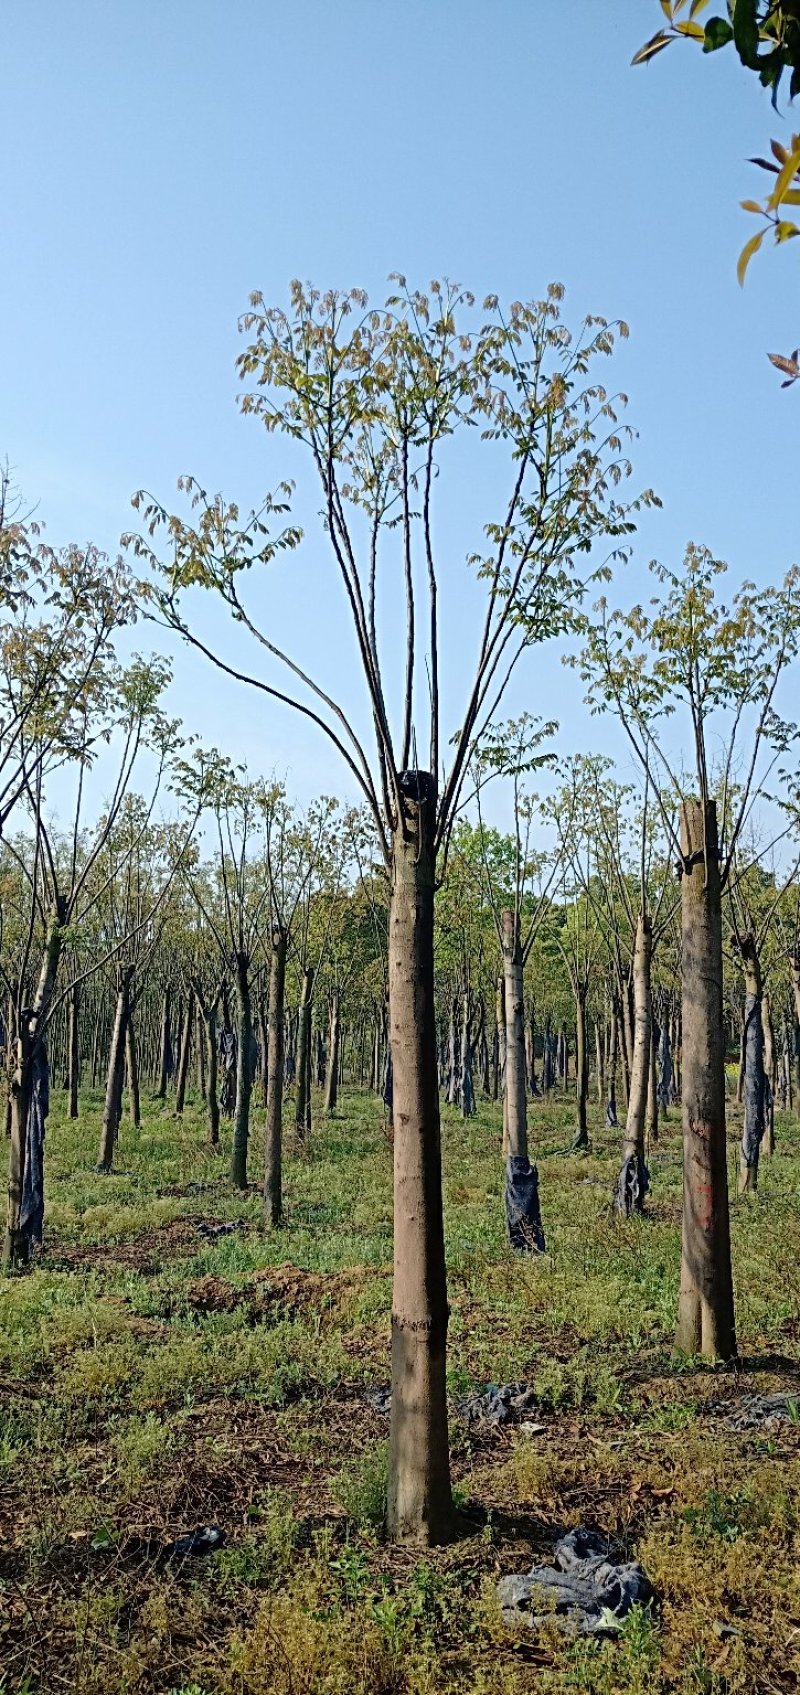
x: 374, y: 399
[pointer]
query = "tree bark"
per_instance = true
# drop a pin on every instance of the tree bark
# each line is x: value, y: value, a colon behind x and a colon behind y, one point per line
x: 581, y: 1068
x: 164, y: 1049
x: 112, y: 1112
x: 794, y: 962
x: 209, y: 1014
x: 244, y: 1073
x: 303, y: 1099
x: 516, y: 1095
x: 332, y: 1079
x: 274, y: 1129
x: 771, y: 1070
x: 132, y: 1062
x: 754, y: 1085
x: 705, y: 1310
x: 187, y: 1026
x: 74, y: 1053
x: 420, y: 1506
x: 29, y: 1036
x: 632, y: 1181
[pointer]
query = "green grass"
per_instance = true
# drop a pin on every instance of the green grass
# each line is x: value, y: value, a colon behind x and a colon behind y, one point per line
x: 151, y: 1381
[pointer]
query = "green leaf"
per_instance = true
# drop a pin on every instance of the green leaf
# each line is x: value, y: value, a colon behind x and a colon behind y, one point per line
x: 717, y: 34
x: 745, y: 31
x: 747, y: 252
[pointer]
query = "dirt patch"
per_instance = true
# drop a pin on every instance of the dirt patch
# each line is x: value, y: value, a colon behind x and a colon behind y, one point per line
x: 147, y: 1253
x: 279, y: 1292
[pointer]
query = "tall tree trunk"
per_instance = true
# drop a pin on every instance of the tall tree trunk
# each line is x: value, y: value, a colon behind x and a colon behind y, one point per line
x: 771, y: 1070
x: 132, y: 1062
x: 98, y: 1025
x: 17, y: 1247
x: 200, y: 1043
x: 705, y: 1310
x: 185, y: 1050
x: 794, y: 962
x: 466, y: 1084
x: 208, y: 1013
x: 165, y: 1049
x: 740, y: 1075
x: 332, y: 1079
x: 516, y: 1094
x: 29, y: 1040
x: 274, y: 1131
x: 581, y: 1068
x: 600, y: 1061
x: 755, y: 1092
x: 632, y: 1182
x: 303, y: 1099
x: 522, y: 1207
x: 420, y: 1506
x: 244, y: 1072
x: 112, y: 1112
x: 652, y: 1088
x: 74, y: 1052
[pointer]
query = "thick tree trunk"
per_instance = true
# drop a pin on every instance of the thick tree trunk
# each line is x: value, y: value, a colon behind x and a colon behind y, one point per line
x: 274, y: 1130
x: 632, y: 1182
x: 132, y: 1063
x: 332, y: 1079
x: 112, y: 1112
x: 303, y: 1099
x: 74, y: 1052
x: 244, y: 1073
x: 755, y: 1081
x: 420, y: 1506
x: 705, y: 1311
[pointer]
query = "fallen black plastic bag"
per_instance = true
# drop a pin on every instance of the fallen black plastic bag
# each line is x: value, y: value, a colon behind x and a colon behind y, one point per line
x: 212, y: 1231
x: 588, y: 1592
x: 204, y: 1539
x: 501, y: 1403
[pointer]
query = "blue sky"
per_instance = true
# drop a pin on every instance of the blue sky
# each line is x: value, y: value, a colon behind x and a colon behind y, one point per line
x: 164, y: 159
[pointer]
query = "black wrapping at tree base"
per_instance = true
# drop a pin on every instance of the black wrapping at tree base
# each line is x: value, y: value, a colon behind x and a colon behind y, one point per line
x: 523, y: 1208
x: 633, y: 1183
x: 611, y: 1112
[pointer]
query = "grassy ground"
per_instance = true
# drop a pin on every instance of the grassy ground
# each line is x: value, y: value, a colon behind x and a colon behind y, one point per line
x: 152, y: 1380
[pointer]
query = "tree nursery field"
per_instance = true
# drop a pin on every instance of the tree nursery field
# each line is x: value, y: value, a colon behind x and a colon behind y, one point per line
x: 170, y: 1364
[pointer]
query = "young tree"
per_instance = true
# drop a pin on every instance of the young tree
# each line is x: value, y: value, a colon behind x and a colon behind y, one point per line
x: 721, y: 667
x: 372, y: 402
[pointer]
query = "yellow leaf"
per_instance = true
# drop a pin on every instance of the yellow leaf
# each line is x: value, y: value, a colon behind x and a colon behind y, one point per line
x: 696, y: 31
x: 750, y: 206
x: 747, y: 252
x: 784, y: 230
x: 785, y: 177
x: 656, y: 44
